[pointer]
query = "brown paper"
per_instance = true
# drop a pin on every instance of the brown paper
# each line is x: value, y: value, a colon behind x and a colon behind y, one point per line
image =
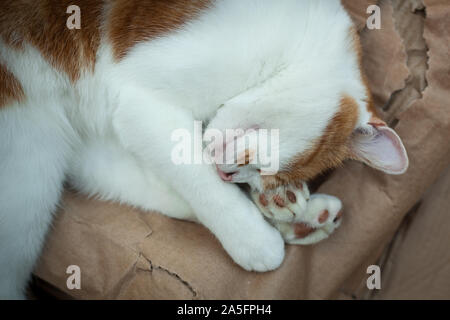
x: 425, y: 128
x: 124, y: 253
x: 418, y: 264
x: 384, y: 57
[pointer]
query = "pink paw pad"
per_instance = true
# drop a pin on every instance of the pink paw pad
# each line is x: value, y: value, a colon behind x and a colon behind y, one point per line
x: 263, y: 200
x: 302, y: 230
x: 323, y: 216
x: 291, y: 196
x: 278, y: 201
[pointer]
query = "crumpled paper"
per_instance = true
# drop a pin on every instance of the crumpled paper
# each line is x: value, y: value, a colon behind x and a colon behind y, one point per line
x: 125, y: 253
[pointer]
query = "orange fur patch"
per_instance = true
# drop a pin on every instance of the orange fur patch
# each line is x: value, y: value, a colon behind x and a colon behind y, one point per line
x: 134, y: 21
x: 328, y: 152
x: 42, y: 24
x: 10, y: 88
x: 246, y: 158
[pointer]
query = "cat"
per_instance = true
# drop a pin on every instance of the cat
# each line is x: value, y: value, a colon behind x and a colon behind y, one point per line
x: 97, y: 106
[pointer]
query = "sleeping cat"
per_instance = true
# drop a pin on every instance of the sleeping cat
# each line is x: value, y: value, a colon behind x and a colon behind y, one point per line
x: 98, y: 105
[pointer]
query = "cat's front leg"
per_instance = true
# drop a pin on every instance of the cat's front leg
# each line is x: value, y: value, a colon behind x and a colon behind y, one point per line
x: 145, y: 126
x: 300, y: 217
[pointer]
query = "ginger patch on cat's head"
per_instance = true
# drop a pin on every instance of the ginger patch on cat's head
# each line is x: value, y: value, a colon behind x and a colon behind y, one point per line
x: 327, y: 152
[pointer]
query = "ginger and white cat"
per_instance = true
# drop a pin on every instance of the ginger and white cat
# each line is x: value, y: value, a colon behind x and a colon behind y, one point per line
x: 98, y: 106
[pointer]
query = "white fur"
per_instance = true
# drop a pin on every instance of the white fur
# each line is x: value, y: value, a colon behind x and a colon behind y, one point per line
x: 276, y: 64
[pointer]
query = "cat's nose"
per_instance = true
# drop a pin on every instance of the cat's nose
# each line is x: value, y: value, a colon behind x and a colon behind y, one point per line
x: 225, y: 176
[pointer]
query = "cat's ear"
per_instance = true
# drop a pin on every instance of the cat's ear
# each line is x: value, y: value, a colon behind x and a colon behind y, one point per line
x: 380, y: 147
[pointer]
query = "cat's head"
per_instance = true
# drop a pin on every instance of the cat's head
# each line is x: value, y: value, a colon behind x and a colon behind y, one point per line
x: 298, y: 157
x: 323, y: 115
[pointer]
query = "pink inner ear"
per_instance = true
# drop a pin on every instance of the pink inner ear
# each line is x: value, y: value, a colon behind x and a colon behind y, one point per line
x: 381, y: 149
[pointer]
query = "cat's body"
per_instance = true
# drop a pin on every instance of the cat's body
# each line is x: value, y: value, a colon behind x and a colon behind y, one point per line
x: 99, y: 107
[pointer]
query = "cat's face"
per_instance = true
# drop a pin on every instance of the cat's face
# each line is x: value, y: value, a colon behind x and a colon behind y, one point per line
x: 317, y: 130
x: 303, y: 149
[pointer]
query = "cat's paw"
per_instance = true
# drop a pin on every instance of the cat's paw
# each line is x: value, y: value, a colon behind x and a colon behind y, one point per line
x: 257, y: 250
x: 301, y: 218
x: 322, y: 217
x: 286, y: 203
